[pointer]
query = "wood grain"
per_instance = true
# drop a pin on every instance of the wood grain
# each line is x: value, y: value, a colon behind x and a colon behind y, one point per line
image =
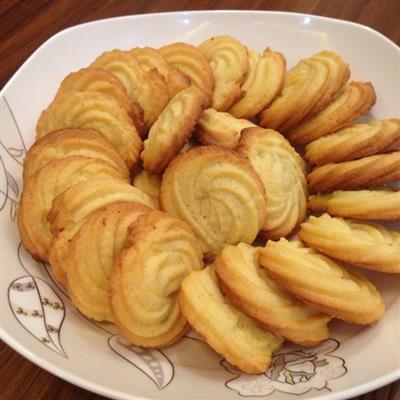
x: 26, y: 24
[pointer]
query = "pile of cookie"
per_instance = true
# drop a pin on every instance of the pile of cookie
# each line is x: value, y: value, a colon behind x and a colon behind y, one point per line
x: 211, y: 138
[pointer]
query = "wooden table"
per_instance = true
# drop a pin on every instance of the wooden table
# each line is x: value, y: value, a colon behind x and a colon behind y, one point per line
x: 25, y: 25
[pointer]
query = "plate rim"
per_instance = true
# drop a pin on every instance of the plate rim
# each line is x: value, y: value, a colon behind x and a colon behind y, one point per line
x: 192, y: 12
x: 76, y: 379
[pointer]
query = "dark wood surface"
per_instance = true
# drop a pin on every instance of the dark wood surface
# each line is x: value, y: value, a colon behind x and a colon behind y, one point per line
x: 25, y: 25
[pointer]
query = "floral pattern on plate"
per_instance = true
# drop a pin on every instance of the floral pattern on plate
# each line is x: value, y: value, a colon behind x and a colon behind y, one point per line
x: 293, y: 370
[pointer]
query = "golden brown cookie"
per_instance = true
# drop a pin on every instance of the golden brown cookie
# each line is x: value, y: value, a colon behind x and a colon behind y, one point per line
x: 98, y: 80
x: 227, y: 330
x: 229, y: 62
x: 147, y: 88
x: 359, y: 204
x: 282, y: 172
x: 149, y: 184
x: 159, y: 252
x: 40, y: 190
x: 248, y: 287
x: 322, y: 282
x: 356, y: 141
x: 262, y: 84
x: 350, y: 103
x: 220, y: 128
x: 307, y: 89
x: 91, y: 255
x: 72, y: 208
x: 193, y: 63
x: 71, y: 142
x: 150, y: 59
x: 172, y: 129
x: 370, y: 246
x: 217, y: 193
x: 94, y: 111
x: 366, y: 172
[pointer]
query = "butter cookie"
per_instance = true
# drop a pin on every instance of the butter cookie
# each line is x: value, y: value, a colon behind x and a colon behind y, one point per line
x: 98, y: 80
x: 151, y: 59
x: 282, y: 172
x: 93, y: 111
x: 356, y: 141
x: 366, y: 172
x: 40, y: 190
x: 159, y: 252
x: 249, y: 288
x: 220, y: 128
x: 368, y: 245
x: 322, y: 282
x: 229, y: 62
x: 91, y: 255
x: 217, y: 193
x: 71, y: 142
x: 72, y: 208
x: 227, y: 330
x: 193, y: 63
x: 172, y: 129
x: 308, y: 88
x: 350, y: 103
x: 147, y: 88
x: 359, y: 204
x: 263, y: 83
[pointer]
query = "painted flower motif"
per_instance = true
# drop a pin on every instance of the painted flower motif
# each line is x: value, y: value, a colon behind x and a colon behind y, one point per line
x: 294, y: 370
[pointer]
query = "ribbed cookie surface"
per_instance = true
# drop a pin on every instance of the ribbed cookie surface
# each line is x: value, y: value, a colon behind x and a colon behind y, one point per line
x: 160, y: 251
x: 249, y: 288
x: 40, y: 190
x: 227, y: 330
x: 95, y: 111
x: 307, y: 89
x: 217, y: 193
x: 368, y: 245
x: 322, y: 282
x: 72, y: 208
x: 91, y: 255
x: 282, y: 172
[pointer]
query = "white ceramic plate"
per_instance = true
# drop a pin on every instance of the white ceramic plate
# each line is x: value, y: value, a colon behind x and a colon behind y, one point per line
x: 37, y: 318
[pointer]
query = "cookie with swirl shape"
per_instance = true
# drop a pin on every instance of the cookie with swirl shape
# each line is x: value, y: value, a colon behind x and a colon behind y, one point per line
x: 172, y: 129
x: 150, y: 59
x: 217, y: 193
x: 147, y: 88
x: 229, y: 62
x: 367, y: 245
x: 94, y: 111
x: 282, y: 172
x: 263, y: 83
x: 160, y: 251
x: 308, y: 88
x: 220, y: 128
x: 321, y: 282
x: 40, y: 190
x: 231, y: 333
x: 350, y: 103
x: 99, y: 80
x: 381, y: 204
x: 367, y: 172
x: 356, y: 141
x: 249, y: 288
x: 71, y: 142
x: 193, y: 63
x: 73, y: 207
x: 92, y: 253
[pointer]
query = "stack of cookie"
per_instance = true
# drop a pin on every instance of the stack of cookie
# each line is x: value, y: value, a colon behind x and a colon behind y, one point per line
x: 206, y: 135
